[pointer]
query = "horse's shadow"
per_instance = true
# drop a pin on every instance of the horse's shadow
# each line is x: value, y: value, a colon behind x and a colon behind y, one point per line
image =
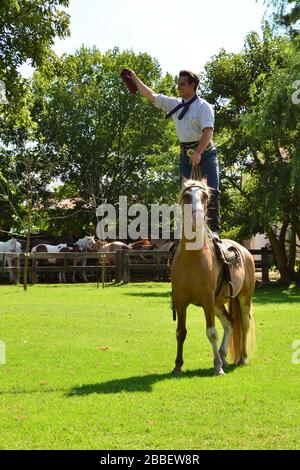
x: 139, y: 383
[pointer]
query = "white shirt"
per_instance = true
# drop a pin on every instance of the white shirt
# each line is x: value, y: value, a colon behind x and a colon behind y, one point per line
x: 199, y: 116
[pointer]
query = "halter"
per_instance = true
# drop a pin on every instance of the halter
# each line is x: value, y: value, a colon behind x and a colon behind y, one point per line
x: 188, y: 188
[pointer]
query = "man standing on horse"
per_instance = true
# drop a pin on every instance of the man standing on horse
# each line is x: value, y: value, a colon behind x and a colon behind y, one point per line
x: 194, y: 122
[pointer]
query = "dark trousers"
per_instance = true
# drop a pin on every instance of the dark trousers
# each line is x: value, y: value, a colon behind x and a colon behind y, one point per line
x: 209, y: 167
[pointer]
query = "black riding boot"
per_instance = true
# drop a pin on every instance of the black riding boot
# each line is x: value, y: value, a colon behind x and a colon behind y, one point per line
x: 213, y: 214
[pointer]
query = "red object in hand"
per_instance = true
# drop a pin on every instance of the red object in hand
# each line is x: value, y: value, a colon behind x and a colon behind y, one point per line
x: 125, y: 74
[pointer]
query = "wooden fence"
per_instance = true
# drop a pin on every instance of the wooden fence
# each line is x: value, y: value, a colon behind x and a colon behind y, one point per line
x: 122, y: 266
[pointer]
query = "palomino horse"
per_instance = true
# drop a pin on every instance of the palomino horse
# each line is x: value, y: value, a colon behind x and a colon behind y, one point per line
x: 195, y: 272
x: 10, y: 248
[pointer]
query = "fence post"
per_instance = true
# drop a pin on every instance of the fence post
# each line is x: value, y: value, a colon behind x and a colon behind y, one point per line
x: 126, y: 267
x: 64, y: 277
x: 2, y: 262
x: 18, y: 268
x: 103, y: 270
x: 118, y: 266
x: 97, y: 269
x: 117, y: 274
x: 265, y: 264
x: 157, y: 266
x: 33, y: 268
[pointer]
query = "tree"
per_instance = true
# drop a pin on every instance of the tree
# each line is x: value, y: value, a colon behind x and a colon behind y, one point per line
x: 286, y: 14
x: 106, y: 142
x: 27, y: 32
x: 23, y: 190
x: 258, y: 131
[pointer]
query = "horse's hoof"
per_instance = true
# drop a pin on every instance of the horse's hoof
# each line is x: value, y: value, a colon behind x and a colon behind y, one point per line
x: 243, y: 362
x: 176, y: 372
x: 219, y: 372
x: 224, y: 362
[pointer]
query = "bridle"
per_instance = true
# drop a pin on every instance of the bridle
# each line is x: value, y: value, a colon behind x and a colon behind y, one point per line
x: 188, y: 188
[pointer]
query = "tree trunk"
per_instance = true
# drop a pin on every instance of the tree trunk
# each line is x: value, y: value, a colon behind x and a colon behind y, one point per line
x: 292, y: 250
x: 286, y: 275
x: 25, y: 278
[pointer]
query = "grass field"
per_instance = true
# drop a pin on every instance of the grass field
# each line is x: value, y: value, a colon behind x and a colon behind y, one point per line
x: 90, y: 369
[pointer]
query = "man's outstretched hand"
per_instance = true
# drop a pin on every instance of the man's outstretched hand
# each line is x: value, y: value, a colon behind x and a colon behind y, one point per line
x: 128, y: 78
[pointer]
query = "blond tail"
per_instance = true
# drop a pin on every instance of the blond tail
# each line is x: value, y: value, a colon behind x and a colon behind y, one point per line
x: 241, y: 326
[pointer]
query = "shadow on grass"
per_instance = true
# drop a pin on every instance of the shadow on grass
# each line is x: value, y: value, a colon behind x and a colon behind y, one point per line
x: 131, y: 384
x: 264, y: 293
x: 140, y: 383
x: 148, y: 294
x: 278, y: 293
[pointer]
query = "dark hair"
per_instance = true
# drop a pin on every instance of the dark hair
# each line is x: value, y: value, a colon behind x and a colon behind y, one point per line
x: 191, y: 76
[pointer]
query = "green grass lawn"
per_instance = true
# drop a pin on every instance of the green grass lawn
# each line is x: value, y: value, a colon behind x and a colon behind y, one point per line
x: 89, y: 368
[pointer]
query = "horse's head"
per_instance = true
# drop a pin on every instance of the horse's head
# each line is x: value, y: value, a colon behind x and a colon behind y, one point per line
x: 195, y: 195
x: 14, y: 246
x: 193, y: 199
x: 90, y: 242
x: 86, y: 243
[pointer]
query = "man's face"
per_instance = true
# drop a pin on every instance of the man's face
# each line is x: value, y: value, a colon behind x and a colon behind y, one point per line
x: 186, y: 90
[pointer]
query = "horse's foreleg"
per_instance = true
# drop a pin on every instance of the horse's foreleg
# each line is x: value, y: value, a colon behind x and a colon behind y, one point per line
x: 7, y: 262
x: 222, y: 314
x: 212, y: 335
x: 181, y: 335
x: 83, y: 272
x: 62, y: 277
x: 74, y: 272
x: 10, y: 261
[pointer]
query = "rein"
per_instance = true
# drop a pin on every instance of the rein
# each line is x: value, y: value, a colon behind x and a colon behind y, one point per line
x: 196, y: 173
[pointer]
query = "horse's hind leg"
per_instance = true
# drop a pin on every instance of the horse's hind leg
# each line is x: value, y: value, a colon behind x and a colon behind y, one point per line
x: 222, y: 314
x: 181, y: 335
x: 246, y: 305
x: 84, y: 276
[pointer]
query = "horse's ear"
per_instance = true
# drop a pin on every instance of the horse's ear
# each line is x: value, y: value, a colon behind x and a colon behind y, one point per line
x: 203, y: 179
x: 183, y: 180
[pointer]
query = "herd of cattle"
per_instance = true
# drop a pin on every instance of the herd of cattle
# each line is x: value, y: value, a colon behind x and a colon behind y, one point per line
x: 87, y: 244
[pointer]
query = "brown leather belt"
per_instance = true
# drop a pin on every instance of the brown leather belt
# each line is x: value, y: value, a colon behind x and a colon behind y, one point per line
x: 188, y: 148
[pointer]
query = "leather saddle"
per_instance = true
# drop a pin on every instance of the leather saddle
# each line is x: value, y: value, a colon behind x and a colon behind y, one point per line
x: 229, y: 256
